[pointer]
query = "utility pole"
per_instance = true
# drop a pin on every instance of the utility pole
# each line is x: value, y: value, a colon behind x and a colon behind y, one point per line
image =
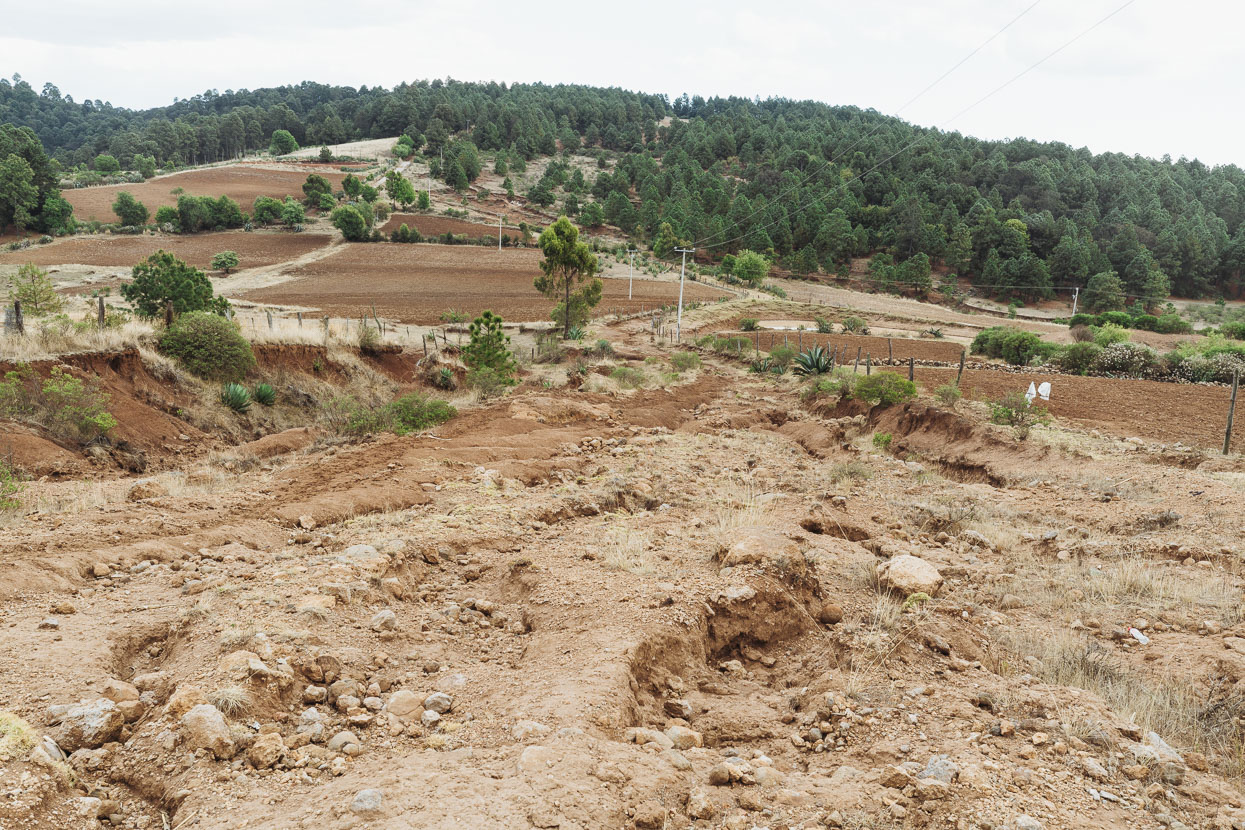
x: 678, y: 323
x: 1075, y: 296
x: 631, y: 252
x: 499, y: 218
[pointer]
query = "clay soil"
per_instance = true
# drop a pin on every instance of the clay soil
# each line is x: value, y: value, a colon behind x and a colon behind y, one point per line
x: 242, y: 183
x: 414, y: 284
x: 432, y: 225
x: 253, y: 249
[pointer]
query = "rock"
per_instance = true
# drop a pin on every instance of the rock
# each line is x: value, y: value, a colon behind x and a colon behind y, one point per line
x: 650, y: 815
x: 908, y: 574
x: 975, y: 539
x: 148, y: 488
x: 404, y: 706
x: 678, y: 709
x: 50, y: 624
x: 526, y: 729
x: 940, y: 768
x: 315, y: 694
x: 1094, y: 770
x: 677, y: 759
x: 306, y: 522
x: 684, y: 738
x: 185, y: 698
x: 266, y: 751
x: 768, y: 777
x: 1025, y: 822
x: 118, y: 691
x: 699, y: 805
x: 100, y: 570
x: 1160, y: 748
x: 643, y: 735
x: 895, y: 778
x: 132, y: 710
x: 830, y: 614
x: 439, y: 702
x: 205, y: 728
x: 720, y: 775
x: 368, y: 803
x: 430, y: 718
x: 341, y: 740
x: 64, y: 606
x: 763, y: 546
x: 88, y: 806
x: 384, y: 621
x: 1010, y: 601
x: 931, y: 789
x: 89, y: 724
x: 156, y: 682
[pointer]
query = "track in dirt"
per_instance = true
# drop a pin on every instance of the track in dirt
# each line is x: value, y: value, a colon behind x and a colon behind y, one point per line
x: 238, y: 182
x: 1167, y: 412
x: 414, y: 284
x: 253, y: 249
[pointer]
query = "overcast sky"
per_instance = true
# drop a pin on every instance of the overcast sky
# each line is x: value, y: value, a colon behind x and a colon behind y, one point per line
x: 1159, y: 77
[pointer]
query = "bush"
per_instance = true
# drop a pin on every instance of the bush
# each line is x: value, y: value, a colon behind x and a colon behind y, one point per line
x: 1116, y: 318
x: 68, y: 407
x: 782, y: 356
x: 882, y: 440
x: 748, y: 324
x: 1078, y: 358
x: 235, y: 396
x: 884, y: 388
x: 683, y: 361
x: 10, y: 486
x: 1082, y: 334
x: 1234, y: 330
x: 414, y: 412
x: 854, y: 325
x: 1126, y: 359
x: 1109, y: 333
x: 1015, y: 410
x: 627, y: 378
x: 824, y: 326
x: 948, y: 394
x: 989, y: 341
x: 1082, y: 320
x: 225, y: 261
x: 1175, y: 324
x: 209, y: 346
x: 488, y: 383
x: 1019, y: 347
x: 163, y: 278
x: 369, y: 339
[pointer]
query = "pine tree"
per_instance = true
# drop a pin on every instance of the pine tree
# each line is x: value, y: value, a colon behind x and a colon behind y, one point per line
x: 489, y: 349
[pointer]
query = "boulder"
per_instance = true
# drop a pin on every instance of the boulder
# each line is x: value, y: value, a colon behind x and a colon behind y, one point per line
x: 205, y: 728
x: 766, y: 547
x: 266, y: 751
x: 185, y: 698
x: 89, y: 724
x: 404, y: 706
x: 908, y: 574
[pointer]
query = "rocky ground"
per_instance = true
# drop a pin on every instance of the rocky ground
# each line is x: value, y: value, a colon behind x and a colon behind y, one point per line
x: 712, y: 604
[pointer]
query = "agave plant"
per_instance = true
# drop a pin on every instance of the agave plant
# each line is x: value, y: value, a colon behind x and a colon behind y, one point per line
x: 760, y: 366
x: 264, y: 394
x: 235, y: 396
x: 444, y: 378
x: 576, y: 333
x: 812, y: 361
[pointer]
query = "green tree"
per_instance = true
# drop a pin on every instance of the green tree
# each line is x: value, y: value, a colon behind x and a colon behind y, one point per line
x: 266, y: 210
x: 456, y: 177
x: 350, y: 222
x: 353, y: 186
x: 19, y: 198
x: 292, y: 213
x: 282, y: 143
x: 31, y: 287
x: 489, y: 348
x: 145, y: 165
x: 163, y: 278
x: 225, y: 261
x: 593, y: 216
x: 751, y: 267
x: 314, y: 187
x: 399, y: 188
x: 568, y: 272
x: 129, y: 210
x: 423, y: 203
x: 107, y: 164
x: 1104, y: 292
x: 1156, y: 287
x: 666, y: 242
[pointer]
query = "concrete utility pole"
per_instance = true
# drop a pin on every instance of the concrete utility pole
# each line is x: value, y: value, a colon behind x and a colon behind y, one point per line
x: 1075, y: 296
x: 678, y: 323
x: 499, y: 218
x: 631, y: 252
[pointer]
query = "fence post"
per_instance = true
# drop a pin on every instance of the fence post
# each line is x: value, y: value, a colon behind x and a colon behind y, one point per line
x: 800, y: 336
x: 17, y: 317
x: 856, y: 365
x: 961, y: 372
x: 100, y: 311
x: 868, y: 364
x: 911, y: 369
x: 1227, y: 435
x: 269, y: 313
x: 890, y: 352
x: 300, y: 319
x: 168, y: 314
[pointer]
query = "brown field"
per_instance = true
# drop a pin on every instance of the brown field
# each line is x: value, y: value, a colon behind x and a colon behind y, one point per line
x: 430, y: 225
x: 416, y: 283
x: 253, y: 249
x: 901, y: 348
x: 241, y: 183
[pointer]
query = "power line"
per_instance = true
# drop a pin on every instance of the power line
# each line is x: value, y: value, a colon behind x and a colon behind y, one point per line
x: 922, y: 137
x: 836, y: 156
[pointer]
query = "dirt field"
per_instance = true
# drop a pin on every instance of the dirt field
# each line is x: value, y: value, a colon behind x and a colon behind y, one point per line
x: 241, y: 182
x: 900, y: 348
x: 253, y: 249
x: 415, y: 283
x: 432, y: 225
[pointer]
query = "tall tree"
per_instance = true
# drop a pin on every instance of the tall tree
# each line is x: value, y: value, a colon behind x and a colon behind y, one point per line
x: 568, y: 273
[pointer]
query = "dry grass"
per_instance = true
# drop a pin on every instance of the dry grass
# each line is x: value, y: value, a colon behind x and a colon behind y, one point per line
x: 43, y: 341
x: 626, y: 549
x: 231, y: 700
x: 740, y: 506
x: 16, y: 737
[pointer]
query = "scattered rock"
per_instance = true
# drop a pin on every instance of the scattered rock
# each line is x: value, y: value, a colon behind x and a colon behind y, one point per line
x: 908, y: 574
x: 148, y: 488
x: 404, y: 706
x: 720, y: 775
x: 266, y: 751
x: 89, y: 724
x: 439, y: 702
x: 1094, y: 770
x: 341, y: 740
x: 684, y: 738
x: 650, y: 815
x: 699, y: 805
x: 1025, y: 822
x: 185, y: 698
x: 205, y: 728
x: 368, y: 803
x: 830, y: 614
x: 384, y: 621
x: 678, y: 709
x: 763, y: 546
x: 118, y: 691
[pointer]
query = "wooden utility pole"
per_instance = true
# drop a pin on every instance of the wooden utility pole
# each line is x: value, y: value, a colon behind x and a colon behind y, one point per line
x: 890, y: 352
x: 17, y: 317
x: 961, y: 372
x: 1227, y: 435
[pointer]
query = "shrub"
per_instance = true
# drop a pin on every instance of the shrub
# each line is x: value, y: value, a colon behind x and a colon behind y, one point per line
x: 748, y: 324
x: 884, y: 388
x: 627, y: 378
x: 490, y: 348
x: 1234, y: 330
x: 824, y: 326
x: 264, y: 394
x: 414, y: 412
x: 989, y: 341
x: 1115, y: 318
x: 1109, y: 333
x: 369, y: 339
x: 10, y: 486
x: 1127, y: 359
x: 31, y: 287
x: 1082, y: 320
x: 1078, y: 358
x: 209, y: 346
x: 225, y: 261
x: 443, y: 378
x: 782, y: 356
x: 948, y: 394
x: 683, y: 361
x: 1082, y: 334
x: 66, y: 406
x: 882, y: 440
x: 488, y: 383
x: 235, y: 396
x: 855, y: 325
x: 1175, y: 324
x: 1015, y: 410
x: 163, y: 278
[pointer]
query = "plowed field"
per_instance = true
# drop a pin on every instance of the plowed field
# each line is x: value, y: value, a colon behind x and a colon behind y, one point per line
x: 847, y: 344
x: 416, y: 283
x: 430, y: 225
x: 238, y: 182
x: 253, y: 249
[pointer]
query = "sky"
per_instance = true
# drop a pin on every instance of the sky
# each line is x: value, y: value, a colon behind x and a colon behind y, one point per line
x: 1156, y: 78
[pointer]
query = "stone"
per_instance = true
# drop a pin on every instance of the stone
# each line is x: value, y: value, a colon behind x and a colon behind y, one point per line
x: 1092, y: 768
x: 266, y: 751
x: 908, y: 574
x: 101, y: 569
x: 940, y: 768
x: 650, y: 815
x: 341, y: 740
x: 384, y: 621
x: 205, y: 728
x: 678, y: 709
x: 88, y: 725
x: 183, y: 699
x: 118, y: 691
x: 1026, y: 822
x: 720, y: 775
x: 931, y: 789
x: 699, y: 805
x: 684, y: 738
x: 132, y: 710
x: 439, y: 702
x: 430, y: 718
x: 527, y: 729
x: 769, y: 777
x: 147, y: 488
x: 763, y: 546
x: 830, y: 614
x: 315, y: 694
x: 896, y: 778
x: 368, y: 803
x: 643, y: 735
x: 50, y: 624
